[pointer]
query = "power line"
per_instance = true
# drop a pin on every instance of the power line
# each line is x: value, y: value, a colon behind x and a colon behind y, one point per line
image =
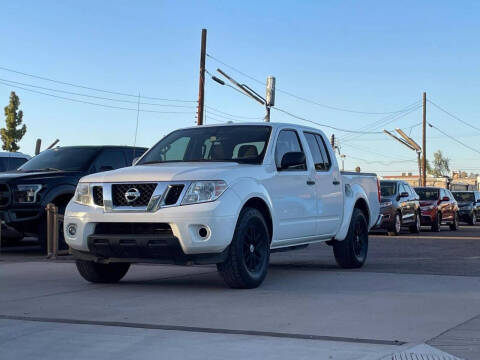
x: 324, y: 125
x: 453, y: 116
x: 90, y: 88
x: 300, y: 97
x: 94, y: 96
x: 234, y: 116
x: 454, y: 139
x: 366, y: 150
x: 96, y: 104
x: 385, y: 163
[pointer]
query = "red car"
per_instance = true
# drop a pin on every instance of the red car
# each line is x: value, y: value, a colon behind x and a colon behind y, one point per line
x: 438, y: 206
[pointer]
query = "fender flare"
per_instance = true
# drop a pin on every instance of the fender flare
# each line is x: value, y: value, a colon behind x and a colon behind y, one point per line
x: 247, y: 189
x: 353, y: 193
x: 58, y: 191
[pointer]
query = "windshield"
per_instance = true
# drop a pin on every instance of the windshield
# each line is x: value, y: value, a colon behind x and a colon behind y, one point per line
x: 464, y: 196
x: 243, y: 144
x: 388, y: 189
x: 67, y: 159
x: 427, y: 194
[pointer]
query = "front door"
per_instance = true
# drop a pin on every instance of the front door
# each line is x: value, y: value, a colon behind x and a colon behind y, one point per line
x: 328, y: 187
x: 292, y: 195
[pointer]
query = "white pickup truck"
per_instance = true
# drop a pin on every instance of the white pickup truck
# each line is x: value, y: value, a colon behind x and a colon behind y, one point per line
x: 227, y: 195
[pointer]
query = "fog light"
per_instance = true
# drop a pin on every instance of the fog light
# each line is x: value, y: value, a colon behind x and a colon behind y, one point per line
x: 72, y: 229
x: 203, y: 232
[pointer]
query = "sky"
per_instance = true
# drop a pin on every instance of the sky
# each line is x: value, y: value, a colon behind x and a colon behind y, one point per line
x: 369, y: 57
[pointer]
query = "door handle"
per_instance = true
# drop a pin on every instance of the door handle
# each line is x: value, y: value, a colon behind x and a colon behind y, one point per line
x: 310, y: 182
x: 336, y: 182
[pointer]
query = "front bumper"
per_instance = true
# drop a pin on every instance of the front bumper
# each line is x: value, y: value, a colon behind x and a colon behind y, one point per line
x: 217, y: 217
x: 466, y: 214
x: 21, y: 220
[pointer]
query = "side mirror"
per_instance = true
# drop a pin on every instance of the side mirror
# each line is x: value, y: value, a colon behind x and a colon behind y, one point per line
x: 134, y: 161
x: 291, y: 159
x: 106, y: 168
x: 404, y: 194
x: 445, y: 198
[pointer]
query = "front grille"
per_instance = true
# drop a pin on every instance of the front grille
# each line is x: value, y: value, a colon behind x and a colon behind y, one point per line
x: 173, y: 194
x: 133, y: 229
x: 98, y: 195
x: 4, y: 194
x: 119, y: 194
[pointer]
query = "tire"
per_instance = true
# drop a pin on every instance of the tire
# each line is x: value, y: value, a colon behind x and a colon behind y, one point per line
x: 437, y: 224
x: 352, y: 252
x: 102, y: 273
x: 454, y: 225
x: 249, y: 253
x: 415, y: 228
x: 397, y: 225
x: 473, y: 219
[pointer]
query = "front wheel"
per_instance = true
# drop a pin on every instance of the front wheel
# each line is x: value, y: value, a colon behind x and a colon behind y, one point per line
x: 249, y: 254
x: 415, y: 228
x: 102, y: 273
x: 454, y: 224
x: 473, y: 219
x: 352, y: 252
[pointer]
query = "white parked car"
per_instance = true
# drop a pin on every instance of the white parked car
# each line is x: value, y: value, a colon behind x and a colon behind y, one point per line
x: 226, y: 195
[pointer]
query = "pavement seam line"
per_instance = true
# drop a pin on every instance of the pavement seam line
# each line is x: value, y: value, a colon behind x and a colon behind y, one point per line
x: 204, y: 330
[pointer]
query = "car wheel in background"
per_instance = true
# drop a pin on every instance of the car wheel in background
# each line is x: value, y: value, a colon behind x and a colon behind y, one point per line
x: 415, y: 228
x: 102, y: 273
x: 249, y: 253
x: 395, y: 229
x: 473, y: 219
x: 437, y: 223
x: 352, y: 252
x: 454, y: 225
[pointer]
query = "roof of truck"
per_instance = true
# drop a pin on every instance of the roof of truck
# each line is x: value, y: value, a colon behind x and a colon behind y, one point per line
x: 259, y: 123
x: 14, y: 155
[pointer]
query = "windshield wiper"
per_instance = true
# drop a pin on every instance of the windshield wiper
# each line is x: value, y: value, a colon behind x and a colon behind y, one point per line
x: 44, y: 169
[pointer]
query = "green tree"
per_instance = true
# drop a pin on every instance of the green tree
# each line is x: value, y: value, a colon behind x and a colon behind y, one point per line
x: 11, y: 134
x: 441, y: 165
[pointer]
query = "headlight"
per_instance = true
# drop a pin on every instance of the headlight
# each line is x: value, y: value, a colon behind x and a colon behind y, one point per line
x: 82, y: 194
x: 385, y: 204
x: 203, y: 191
x: 27, y: 194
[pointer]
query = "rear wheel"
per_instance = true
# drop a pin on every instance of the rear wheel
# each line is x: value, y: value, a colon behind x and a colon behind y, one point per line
x: 415, y: 228
x: 352, y: 252
x: 395, y: 229
x: 102, y: 273
x: 473, y: 219
x: 437, y: 223
x: 454, y: 224
x: 249, y: 254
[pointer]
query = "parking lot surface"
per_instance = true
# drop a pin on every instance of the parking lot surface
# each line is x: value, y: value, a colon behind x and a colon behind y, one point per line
x: 414, y: 289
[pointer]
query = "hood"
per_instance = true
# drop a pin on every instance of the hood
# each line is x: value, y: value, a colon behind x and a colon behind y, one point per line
x: 16, y: 176
x: 182, y: 171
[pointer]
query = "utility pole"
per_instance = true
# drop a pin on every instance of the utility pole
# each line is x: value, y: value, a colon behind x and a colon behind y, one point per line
x: 424, y: 141
x: 201, y: 83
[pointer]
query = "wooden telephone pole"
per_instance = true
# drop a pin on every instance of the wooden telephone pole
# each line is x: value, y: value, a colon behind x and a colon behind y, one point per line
x: 424, y: 141
x: 201, y: 84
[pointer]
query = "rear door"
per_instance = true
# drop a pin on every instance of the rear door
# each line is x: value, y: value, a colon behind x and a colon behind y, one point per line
x: 329, y: 195
x: 405, y: 203
x: 292, y: 193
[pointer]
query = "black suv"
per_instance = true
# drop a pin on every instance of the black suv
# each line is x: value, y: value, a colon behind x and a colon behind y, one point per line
x: 468, y: 205
x: 51, y: 177
x: 399, y: 206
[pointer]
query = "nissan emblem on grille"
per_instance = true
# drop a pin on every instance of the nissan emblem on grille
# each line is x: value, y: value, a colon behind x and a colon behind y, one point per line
x: 132, y: 194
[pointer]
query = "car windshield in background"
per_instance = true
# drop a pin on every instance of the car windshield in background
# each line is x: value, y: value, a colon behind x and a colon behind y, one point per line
x: 65, y: 159
x: 11, y: 163
x: 243, y: 144
x: 388, y: 189
x: 464, y: 196
x: 427, y: 194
